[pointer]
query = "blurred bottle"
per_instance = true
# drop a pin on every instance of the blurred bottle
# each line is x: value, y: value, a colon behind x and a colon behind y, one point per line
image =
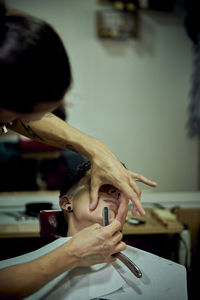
x: 184, y: 252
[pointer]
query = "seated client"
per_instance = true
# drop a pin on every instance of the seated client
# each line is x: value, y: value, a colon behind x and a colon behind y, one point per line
x: 161, y: 278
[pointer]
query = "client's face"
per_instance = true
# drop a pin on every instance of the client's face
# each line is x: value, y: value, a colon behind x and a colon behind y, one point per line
x: 108, y: 196
x: 81, y: 214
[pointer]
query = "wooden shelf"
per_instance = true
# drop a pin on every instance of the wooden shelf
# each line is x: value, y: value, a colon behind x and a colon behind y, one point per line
x: 152, y: 226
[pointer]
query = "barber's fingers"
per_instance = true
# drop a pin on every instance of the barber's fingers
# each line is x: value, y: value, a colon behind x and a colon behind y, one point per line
x: 134, y: 210
x: 100, y: 243
x: 112, y: 228
x: 143, y: 179
x: 119, y: 247
x: 110, y: 259
x: 117, y: 237
x: 135, y: 187
x: 94, y: 197
x: 130, y: 194
x: 94, y: 190
x: 123, y: 209
x: 115, y: 242
x: 137, y: 201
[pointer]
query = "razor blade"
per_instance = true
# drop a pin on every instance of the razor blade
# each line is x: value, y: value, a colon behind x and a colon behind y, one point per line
x: 122, y: 257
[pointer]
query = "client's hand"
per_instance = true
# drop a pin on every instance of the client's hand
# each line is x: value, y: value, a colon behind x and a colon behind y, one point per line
x: 96, y: 244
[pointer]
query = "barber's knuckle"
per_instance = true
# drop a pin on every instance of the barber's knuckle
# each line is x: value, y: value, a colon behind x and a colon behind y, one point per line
x: 136, y: 199
x: 110, y: 258
x: 137, y: 176
x: 109, y: 245
x: 103, y: 245
x: 107, y: 235
x: 117, y: 224
x: 119, y: 236
x: 123, y: 246
x: 96, y: 226
x: 113, y: 259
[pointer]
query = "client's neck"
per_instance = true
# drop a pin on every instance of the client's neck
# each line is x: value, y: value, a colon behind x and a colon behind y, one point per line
x: 75, y: 226
x: 71, y: 231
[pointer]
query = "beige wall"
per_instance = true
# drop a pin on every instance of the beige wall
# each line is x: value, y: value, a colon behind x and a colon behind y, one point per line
x: 133, y: 95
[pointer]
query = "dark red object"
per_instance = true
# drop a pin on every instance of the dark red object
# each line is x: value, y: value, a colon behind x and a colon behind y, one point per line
x: 52, y: 225
x: 30, y: 146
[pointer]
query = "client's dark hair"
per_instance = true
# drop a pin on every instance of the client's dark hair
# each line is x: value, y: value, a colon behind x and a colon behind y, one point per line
x: 74, y: 176
x: 34, y: 66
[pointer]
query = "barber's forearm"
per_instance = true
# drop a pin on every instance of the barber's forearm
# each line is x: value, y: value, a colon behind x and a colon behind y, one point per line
x: 21, y: 280
x: 53, y: 131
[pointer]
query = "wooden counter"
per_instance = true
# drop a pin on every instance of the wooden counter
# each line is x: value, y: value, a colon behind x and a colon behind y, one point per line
x: 19, y: 230
x: 152, y: 226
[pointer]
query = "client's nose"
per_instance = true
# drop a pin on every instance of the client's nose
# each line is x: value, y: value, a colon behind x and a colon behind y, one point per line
x: 114, y: 192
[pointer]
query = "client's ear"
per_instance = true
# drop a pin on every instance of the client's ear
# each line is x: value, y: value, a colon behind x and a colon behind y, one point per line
x: 66, y: 203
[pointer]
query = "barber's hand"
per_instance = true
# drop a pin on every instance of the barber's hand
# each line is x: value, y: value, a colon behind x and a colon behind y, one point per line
x: 107, y: 169
x: 96, y: 244
x: 124, y: 199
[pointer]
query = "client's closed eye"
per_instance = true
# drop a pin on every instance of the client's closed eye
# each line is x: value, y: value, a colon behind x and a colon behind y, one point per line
x: 109, y: 189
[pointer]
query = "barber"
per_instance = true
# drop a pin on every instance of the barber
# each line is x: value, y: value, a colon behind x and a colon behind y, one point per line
x: 35, y: 75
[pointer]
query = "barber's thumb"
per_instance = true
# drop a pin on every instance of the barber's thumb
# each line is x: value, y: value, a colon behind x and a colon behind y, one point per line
x: 94, y: 197
x: 121, y: 212
x: 115, y: 224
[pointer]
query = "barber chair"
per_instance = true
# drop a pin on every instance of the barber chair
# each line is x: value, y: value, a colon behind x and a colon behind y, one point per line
x: 52, y: 225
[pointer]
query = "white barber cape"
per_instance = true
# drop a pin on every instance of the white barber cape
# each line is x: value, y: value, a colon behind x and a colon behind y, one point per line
x: 162, y: 279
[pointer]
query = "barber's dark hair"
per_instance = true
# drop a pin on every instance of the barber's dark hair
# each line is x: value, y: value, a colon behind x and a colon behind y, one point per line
x: 60, y: 112
x: 2, y: 9
x: 34, y: 65
x: 74, y: 176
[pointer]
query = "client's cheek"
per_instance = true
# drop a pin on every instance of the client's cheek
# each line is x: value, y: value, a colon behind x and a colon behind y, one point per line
x: 96, y: 215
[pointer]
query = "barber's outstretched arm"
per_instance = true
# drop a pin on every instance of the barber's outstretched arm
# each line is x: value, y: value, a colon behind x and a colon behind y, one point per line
x: 106, y: 168
x: 92, y: 245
